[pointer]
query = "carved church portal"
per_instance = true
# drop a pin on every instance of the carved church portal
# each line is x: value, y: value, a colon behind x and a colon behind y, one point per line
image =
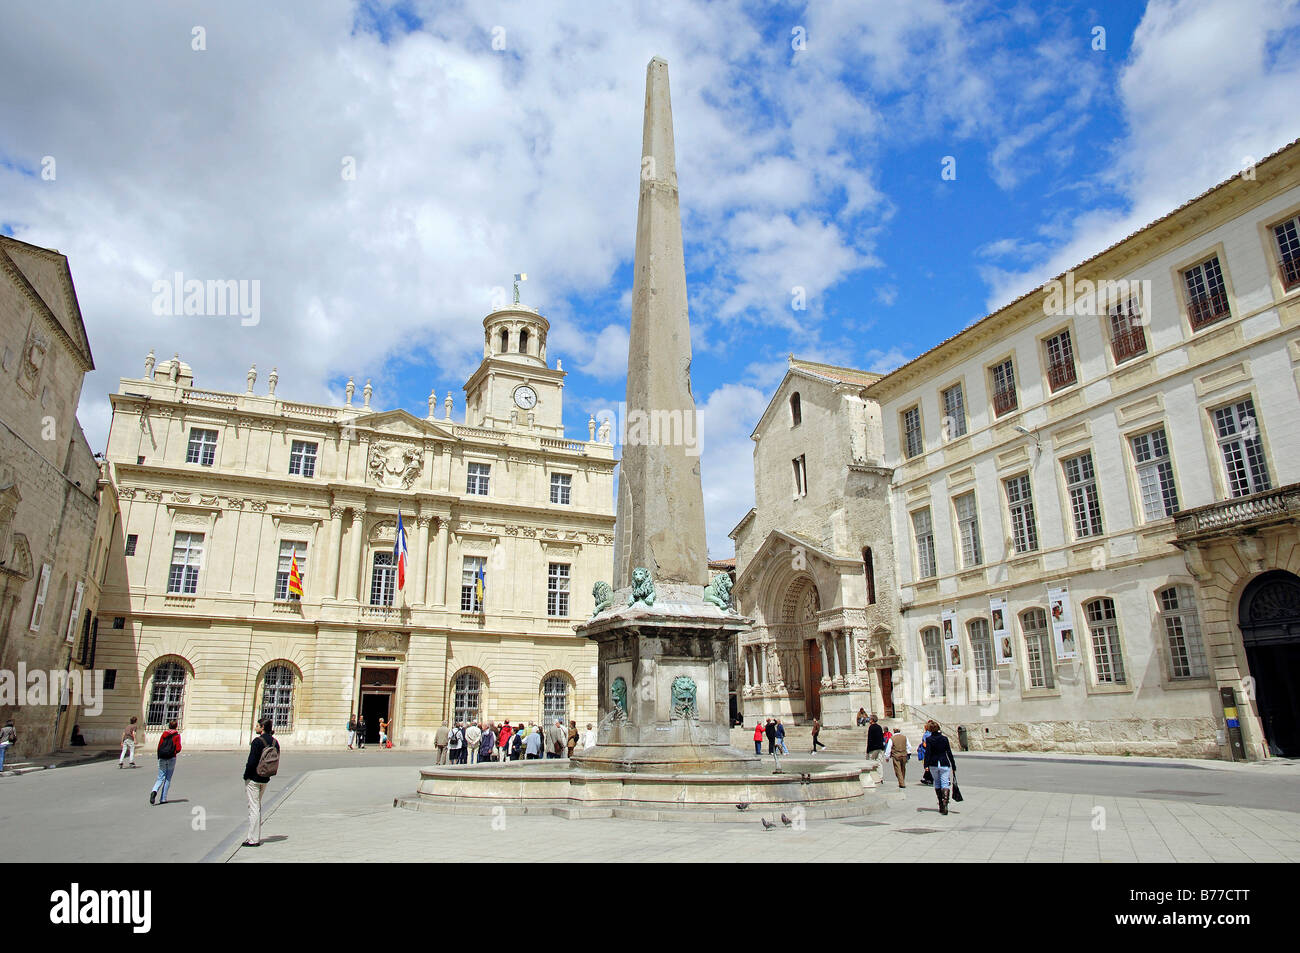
x: 886, y: 676
x: 813, y: 692
x: 1269, y: 613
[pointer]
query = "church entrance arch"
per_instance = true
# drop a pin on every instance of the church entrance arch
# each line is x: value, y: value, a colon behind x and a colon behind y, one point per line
x: 799, y: 615
x: 1269, y: 615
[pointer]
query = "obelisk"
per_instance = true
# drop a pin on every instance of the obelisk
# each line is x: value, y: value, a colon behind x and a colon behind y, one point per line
x: 660, y: 498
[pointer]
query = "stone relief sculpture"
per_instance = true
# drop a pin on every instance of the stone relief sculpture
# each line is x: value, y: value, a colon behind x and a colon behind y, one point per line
x: 683, y: 689
x: 618, y: 697
x: 604, y: 597
x: 718, y: 592
x: 643, y: 587
x: 392, y: 465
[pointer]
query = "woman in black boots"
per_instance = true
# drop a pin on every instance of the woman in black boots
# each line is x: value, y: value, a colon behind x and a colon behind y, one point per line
x: 940, y: 763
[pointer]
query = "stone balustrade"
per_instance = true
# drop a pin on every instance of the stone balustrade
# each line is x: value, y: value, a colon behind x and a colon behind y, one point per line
x: 1270, y: 506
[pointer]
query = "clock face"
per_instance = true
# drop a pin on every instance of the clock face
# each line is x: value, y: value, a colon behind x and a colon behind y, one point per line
x: 526, y: 397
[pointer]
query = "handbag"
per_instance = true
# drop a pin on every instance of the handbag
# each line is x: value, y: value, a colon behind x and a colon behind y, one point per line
x: 956, y: 791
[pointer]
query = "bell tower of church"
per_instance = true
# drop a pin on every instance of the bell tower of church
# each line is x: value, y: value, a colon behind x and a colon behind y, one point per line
x: 514, y: 389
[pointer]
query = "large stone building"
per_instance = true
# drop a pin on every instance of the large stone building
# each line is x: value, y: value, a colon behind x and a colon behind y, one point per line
x: 53, y: 536
x: 221, y: 492
x: 1094, y: 495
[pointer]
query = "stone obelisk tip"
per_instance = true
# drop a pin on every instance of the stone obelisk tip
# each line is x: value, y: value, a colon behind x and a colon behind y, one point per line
x: 658, y: 160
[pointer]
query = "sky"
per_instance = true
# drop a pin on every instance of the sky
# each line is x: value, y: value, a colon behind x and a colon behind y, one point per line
x: 382, y: 170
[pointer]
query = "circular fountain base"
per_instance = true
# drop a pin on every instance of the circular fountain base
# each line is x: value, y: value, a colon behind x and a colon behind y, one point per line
x: 584, y: 788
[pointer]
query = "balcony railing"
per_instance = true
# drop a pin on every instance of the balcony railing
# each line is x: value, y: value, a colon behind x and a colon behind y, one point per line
x: 1206, y: 309
x: 1128, y: 344
x: 1004, y: 401
x: 1290, y: 272
x: 1270, y: 506
x: 1061, y: 374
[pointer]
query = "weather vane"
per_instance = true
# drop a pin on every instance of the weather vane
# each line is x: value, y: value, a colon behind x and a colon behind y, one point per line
x: 518, y: 278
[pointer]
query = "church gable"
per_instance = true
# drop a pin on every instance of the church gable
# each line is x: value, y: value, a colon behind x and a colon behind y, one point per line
x: 46, y: 273
x: 401, y: 423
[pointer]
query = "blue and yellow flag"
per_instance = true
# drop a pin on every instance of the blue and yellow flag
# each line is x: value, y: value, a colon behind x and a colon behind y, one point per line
x: 480, y: 584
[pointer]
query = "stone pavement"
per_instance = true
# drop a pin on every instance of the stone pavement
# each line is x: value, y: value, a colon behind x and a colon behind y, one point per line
x: 347, y: 814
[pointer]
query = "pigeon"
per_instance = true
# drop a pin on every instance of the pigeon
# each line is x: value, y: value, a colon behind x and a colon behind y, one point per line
x: 744, y: 806
x: 767, y: 825
x: 786, y: 821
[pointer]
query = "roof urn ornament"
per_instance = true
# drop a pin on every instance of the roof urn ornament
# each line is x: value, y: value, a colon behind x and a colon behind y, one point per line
x: 433, y: 403
x: 149, y: 365
x: 252, y: 377
x: 350, y: 390
x: 365, y: 393
x: 272, y: 379
x: 591, y: 428
x: 446, y: 406
x: 176, y: 367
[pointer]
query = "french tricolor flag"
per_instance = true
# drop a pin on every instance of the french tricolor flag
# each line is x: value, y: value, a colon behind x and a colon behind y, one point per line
x: 399, y: 552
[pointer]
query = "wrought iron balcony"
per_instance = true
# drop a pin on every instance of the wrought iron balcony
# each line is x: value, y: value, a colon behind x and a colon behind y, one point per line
x: 1206, y: 309
x: 1244, y: 512
x: 1129, y: 343
x: 1061, y: 374
x: 1290, y: 272
x: 1004, y: 400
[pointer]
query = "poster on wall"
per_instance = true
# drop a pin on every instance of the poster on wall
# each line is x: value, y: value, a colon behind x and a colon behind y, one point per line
x: 1001, y: 632
x: 951, y: 644
x: 1067, y: 639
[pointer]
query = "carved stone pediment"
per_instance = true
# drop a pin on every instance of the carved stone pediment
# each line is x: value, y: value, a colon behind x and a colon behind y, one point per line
x: 394, y: 465
x: 381, y: 641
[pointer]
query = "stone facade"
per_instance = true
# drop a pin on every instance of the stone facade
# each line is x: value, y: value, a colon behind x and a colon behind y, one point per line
x: 1119, y: 439
x: 824, y: 642
x: 218, y: 489
x: 52, y: 541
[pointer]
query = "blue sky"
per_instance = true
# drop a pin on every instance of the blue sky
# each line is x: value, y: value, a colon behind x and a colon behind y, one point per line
x: 494, y: 138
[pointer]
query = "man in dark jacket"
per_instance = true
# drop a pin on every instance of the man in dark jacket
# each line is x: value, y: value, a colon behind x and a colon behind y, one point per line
x: 770, y: 731
x: 940, y: 762
x: 875, y: 741
x: 255, y: 784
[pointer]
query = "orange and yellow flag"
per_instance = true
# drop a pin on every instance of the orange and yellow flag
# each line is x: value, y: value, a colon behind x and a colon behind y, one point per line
x: 295, y: 580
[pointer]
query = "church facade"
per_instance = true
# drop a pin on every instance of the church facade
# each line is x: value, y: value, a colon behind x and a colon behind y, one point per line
x: 1091, y: 501
x: 508, y: 523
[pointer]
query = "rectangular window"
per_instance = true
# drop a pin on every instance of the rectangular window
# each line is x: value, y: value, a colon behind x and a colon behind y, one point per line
x: 1288, y: 251
x: 561, y: 485
x: 1155, y: 475
x: 1020, y: 502
x: 968, y: 527
x: 187, y: 559
x: 912, y: 442
x: 1128, y: 338
x: 557, y: 590
x: 1085, y: 504
x: 476, y: 482
x: 924, y: 530
x: 936, y: 685
x: 954, y: 412
x: 119, y: 622
x: 800, y: 476
x: 469, y: 598
x: 1243, y: 450
x: 302, y: 459
x: 203, y: 447
x: 981, y: 643
x: 1003, y: 377
x: 1183, y: 633
x: 131, y: 540
x: 289, y: 548
x: 1207, y: 297
x: 1104, y: 630
x: 1038, y: 649
x: 110, y: 679
x: 383, y: 579
x: 1060, y: 361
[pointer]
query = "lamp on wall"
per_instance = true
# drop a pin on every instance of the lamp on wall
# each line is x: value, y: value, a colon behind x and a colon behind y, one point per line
x: 1032, y: 436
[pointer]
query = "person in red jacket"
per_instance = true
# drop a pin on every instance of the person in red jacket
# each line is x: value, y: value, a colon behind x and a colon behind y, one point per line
x: 758, y: 736
x: 169, y: 746
x: 503, y: 740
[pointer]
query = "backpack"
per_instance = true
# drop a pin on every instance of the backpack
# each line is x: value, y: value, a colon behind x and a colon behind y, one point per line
x: 167, y: 746
x: 269, y: 763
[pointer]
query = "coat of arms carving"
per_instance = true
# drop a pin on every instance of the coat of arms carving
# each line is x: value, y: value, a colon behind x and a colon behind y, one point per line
x: 394, y: 465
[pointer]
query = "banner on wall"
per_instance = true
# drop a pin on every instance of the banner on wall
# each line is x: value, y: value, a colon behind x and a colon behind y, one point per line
x: 1001, y: 631
x: 951, y: 643
x: 1067, y: 639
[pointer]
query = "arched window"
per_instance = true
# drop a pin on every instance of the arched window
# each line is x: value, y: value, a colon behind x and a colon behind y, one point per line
x: 981, y: 645
x: 466, y: 696
x: 1103, y: 627
x: 277, y: 697
x: 555, y: 699
x: 166, y: 698
x: 1182, y: 633
x: 505, y: 340
x: 1039, y: 664
x: 934, y: 680
x: 523, y: 341
x: 796, y: 410
x: 869, y: 570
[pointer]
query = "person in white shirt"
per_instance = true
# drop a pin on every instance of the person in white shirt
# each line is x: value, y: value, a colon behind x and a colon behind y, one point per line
x: 589, y: 740
x: 473, y: 735
x: 897, y: 750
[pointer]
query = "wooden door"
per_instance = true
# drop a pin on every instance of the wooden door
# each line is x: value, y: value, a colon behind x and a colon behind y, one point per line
x: 812, y: 692
x: 886, y: 691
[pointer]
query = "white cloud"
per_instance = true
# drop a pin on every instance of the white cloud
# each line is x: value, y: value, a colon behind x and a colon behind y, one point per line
x: 608, y: 359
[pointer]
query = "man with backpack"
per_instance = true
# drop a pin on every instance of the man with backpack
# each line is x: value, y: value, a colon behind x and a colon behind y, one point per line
x: 456, y: 743
x: 263, y: 763
x: 169, y: 746
x: 8, y: 738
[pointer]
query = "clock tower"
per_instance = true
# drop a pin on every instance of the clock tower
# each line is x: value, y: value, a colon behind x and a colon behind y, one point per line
x: 514, y: 389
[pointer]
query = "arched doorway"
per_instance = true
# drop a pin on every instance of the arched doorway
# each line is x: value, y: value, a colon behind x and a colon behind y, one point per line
x: 1269, y: 615
x: 800, y: 608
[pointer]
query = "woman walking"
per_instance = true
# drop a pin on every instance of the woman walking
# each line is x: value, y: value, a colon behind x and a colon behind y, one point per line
x: 169, y: 746
x: 817, y: 730
x: 939, y: 759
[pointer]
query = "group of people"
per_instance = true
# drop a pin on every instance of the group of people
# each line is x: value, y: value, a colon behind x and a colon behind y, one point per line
x: 357, y: 732
x: 474, y: 742
x: 774, y: 732
x: 934, y: 752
